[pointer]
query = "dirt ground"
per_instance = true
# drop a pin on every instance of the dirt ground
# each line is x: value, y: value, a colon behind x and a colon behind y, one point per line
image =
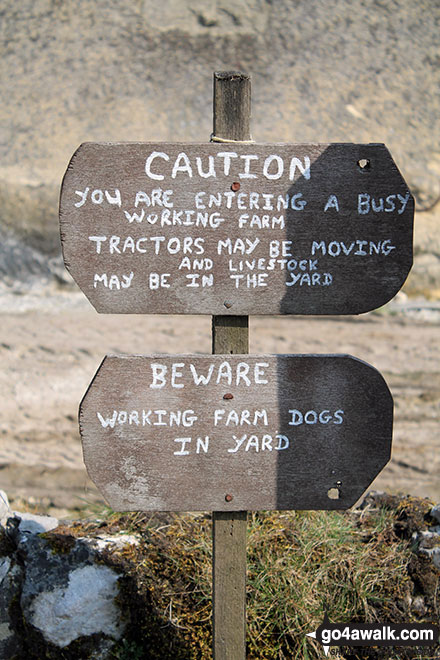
x: 51, y: 346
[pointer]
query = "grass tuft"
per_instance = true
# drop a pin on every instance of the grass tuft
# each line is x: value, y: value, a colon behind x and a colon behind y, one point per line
x: 355, y: 566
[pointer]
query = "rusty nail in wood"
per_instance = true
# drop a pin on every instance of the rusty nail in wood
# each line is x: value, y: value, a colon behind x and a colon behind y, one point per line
x: 228, y: 396
x: 235, y: 186
x: 227, y: 304
x: 228, y: 498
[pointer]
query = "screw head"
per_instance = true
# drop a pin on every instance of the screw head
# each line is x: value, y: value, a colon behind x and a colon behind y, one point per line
x: 228, y: 498
x: 228, y: 395
x: 235, y: 186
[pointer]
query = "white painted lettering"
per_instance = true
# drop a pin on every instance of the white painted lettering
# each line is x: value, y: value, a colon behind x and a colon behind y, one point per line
x: 97, y: 197
x: 202, y: 445
x: 211, y: 169
x: 98, y: 240
x: 297, y: 203
x: 312, y: 417
x: 127, y: 280
x: 224, y: 371
x: 82, y: 194
x: 252, y: 443
x: 238, y: 443
x: 259, y: 373
x: 182, y: 451
x: 266, y: 443
x: 283, y: 442
x: 113, y: 244
x: 159, y: 372
x: 175, y: 374
x: 332, y: 202
x: 247, y: 163
x: 201, y: 379
x: 279, y: 167
x: 108, y: 421
x: 303, y: 168
x: 227, y: 156
x: 100, y: 278
x: 135, y: 217
x: 363, y: 203
x: 116, y: 199
x: 242, y: 371
x: 159, y: 281
x: 148, y: 163
x: 404, y: 201
x: 198, y: 200
x: 114, y: 282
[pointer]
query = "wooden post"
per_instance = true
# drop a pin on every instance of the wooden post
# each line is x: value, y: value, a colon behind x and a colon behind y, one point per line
x: 230, y: 334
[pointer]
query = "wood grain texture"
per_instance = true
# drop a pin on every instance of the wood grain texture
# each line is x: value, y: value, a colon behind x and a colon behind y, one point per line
x: 232, y: 105
x: 230, y: 334
x: 143, y: 455
x: 229, y: 585
x: 133, y: 250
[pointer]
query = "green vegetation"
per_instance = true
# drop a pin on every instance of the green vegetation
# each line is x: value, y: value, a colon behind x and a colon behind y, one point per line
x: 356, y: 566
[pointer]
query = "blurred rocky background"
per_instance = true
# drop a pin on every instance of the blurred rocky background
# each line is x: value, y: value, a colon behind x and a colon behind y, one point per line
x: 322, y: 70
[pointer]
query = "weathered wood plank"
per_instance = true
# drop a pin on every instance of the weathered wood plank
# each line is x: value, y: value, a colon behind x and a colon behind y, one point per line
x: 202, y: 228
x: 229, y: 585
x: 235, y: 433
x: 230, y: 334
x: 232, y: 105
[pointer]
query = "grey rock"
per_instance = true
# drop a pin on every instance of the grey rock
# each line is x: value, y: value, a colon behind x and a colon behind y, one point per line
x: 435, y: 512
x: 433, y: 554
x: 23, y: 267
x: 5, y: 565
x: 47, y: 566
x: 85, y: 606
x: 5, y: 509
x: 31, y: 523
x: 20, y: 263
x: 425, y: 538
x: 111, y: 542
x: 11, y: 578
x: 65, y: 593
x: 418, y: 606
x: 24, y: 522
x: 56, y: 590
x: 427, y: 543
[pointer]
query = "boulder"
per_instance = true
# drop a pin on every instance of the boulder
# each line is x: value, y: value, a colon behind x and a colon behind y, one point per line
x: 11, y: 580
x: 55, y: 592
x: 5, y: 509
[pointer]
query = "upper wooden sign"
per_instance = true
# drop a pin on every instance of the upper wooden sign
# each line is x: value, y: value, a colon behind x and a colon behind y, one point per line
x: 236, y: 228
x: 228, y: 432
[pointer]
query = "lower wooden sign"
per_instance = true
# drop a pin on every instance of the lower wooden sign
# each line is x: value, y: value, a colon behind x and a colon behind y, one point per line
x: 235, y: 432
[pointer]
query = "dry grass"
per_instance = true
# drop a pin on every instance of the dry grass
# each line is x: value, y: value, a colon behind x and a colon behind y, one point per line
x: 352, y: 565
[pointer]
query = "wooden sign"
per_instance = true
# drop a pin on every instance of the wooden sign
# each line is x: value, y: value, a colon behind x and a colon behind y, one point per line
x: 235, y: 433
x: 236, y: 228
